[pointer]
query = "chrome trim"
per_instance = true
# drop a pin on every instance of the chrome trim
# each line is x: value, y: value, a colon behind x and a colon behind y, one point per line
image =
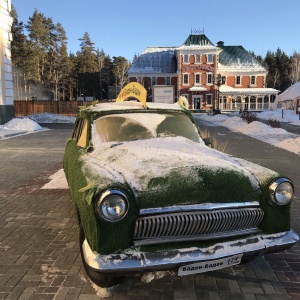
x: 273, y: 186
x: 196, y: 207
x: 108, y: 193
x: 135, y: 260
x: 197, y: 225
x: 190, y: 238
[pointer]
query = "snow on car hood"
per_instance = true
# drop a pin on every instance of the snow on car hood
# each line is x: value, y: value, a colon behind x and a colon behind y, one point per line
x: 139, y: 162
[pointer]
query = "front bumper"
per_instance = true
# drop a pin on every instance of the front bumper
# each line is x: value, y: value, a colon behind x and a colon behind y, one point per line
x: 133, y: 260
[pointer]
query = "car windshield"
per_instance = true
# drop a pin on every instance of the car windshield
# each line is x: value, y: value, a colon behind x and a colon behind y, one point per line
x: 135, y: 126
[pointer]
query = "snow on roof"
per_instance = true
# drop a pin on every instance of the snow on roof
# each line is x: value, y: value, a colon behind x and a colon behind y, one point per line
x: 230, y: 90
x: 236, y: 67
x: 172, y: 106
x: 293, y: 92
x: 198, y: 47
x: 115, y: 106
x: 110, y: 106
x: 152, y: 49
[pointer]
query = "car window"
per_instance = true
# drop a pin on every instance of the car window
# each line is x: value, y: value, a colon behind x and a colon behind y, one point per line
x: 119, y: 129
x: 80, y: 132
x: 178, y: 125
x: 134, y: 126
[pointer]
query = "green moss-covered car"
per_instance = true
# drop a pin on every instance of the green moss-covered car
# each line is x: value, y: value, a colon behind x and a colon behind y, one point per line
x: 149, y: 194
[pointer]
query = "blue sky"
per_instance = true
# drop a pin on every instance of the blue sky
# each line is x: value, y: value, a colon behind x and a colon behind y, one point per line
x: 124, y: 28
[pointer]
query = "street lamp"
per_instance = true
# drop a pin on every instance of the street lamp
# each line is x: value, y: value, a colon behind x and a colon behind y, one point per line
x: 218, y: 81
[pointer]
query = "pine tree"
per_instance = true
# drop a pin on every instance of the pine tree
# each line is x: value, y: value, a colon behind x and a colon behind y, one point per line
x: 22, y: 58
x: 39, y: 28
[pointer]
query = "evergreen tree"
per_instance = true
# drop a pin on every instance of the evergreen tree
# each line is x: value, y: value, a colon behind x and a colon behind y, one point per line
x: 283, y: 66
x: 22, y: 58
x: 39, y: 28
x: 272, y: 79
x: 58, y: 62
x: 87, y: 63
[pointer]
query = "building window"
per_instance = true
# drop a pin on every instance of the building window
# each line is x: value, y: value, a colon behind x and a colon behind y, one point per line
x: 209, y: 99
x: 253, y: 80
x: 209, y: 78
x: 197, y: 59
x: 185, y: 58
x: 197, y: 79
x: 210, y: 58
x: 238, y: 80
x: 185, y: 79
x: 153, y: 80
x: 168, y: 80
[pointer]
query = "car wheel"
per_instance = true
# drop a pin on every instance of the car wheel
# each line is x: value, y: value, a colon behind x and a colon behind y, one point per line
x: 99, y: 279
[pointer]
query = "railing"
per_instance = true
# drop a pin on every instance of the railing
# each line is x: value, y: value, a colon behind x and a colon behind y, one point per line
x: 245, y: 106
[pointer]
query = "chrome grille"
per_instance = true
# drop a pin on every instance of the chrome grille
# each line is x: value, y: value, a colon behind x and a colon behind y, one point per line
x: 196, y: 225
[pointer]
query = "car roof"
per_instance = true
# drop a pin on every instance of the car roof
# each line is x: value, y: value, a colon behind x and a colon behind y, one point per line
x: 95, y: 111
x: 132, y: 105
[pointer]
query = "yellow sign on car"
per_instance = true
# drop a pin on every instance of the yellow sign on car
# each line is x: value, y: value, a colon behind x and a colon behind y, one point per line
x: 133, y: 90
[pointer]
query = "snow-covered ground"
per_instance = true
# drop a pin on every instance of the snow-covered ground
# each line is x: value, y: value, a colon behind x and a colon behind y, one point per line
x: 275, y: 136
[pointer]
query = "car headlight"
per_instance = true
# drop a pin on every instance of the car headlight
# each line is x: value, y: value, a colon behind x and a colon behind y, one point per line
x: 281, y: 191
x: 112, y: 205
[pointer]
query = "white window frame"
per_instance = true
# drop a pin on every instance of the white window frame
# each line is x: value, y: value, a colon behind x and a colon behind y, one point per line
x: 195, y: 76
x: 236, y: 80
x: 197, y: 61
x: 184, y: 56
x: 252, y: 77
x: 209, y: 101
x: 208, y: 60
x: 209, y: 82
x: 188, y: 78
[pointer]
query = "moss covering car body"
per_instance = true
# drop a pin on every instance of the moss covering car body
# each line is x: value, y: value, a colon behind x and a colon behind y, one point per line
x: 149, y: 195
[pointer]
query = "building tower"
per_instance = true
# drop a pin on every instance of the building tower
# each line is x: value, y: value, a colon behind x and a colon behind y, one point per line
x: 6, y: 78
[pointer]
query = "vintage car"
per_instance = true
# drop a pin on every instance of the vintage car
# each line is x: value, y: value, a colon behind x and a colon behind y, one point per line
x: 149, y: 194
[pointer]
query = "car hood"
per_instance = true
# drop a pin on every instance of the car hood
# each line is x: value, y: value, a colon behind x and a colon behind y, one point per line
x: 174, y: 170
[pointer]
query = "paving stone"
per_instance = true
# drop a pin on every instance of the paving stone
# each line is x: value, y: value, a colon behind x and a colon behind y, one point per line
x: 39, y: 248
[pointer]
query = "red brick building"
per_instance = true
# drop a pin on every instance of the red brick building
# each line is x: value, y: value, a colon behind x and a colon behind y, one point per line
x: 211, y: 77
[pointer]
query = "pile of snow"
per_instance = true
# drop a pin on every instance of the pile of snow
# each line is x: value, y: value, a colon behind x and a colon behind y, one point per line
x: 284, y: 115
x: 238, y: 124
x: 274, y: 136
x: 58, y: 181
x: 24, y: 124
x: 292, y: 145
x: 51, y: 118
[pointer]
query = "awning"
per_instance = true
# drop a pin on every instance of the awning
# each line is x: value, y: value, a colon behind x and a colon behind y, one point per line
x: 224, y: 89
x: 197, y: 89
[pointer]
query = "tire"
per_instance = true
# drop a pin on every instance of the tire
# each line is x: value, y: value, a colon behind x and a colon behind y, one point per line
x: 99, y: 279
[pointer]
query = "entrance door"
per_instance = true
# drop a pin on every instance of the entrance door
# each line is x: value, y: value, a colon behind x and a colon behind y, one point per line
x: 197, y: 102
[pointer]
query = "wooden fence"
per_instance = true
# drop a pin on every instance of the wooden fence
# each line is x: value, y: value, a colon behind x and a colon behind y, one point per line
x: 65, y: 108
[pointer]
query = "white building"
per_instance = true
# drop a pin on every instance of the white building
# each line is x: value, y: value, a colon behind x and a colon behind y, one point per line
x: 6, y: 78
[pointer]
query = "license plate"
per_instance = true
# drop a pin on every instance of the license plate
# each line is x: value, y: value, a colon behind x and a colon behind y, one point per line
x: 210, y: 265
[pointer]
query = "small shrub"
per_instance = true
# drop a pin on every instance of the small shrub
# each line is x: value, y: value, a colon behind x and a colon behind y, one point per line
x: 273, y: 123
x: 249, y: 117
x: 216, y: 143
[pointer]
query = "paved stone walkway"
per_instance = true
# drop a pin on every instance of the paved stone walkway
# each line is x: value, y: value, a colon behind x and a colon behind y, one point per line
x: 39, y: 251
